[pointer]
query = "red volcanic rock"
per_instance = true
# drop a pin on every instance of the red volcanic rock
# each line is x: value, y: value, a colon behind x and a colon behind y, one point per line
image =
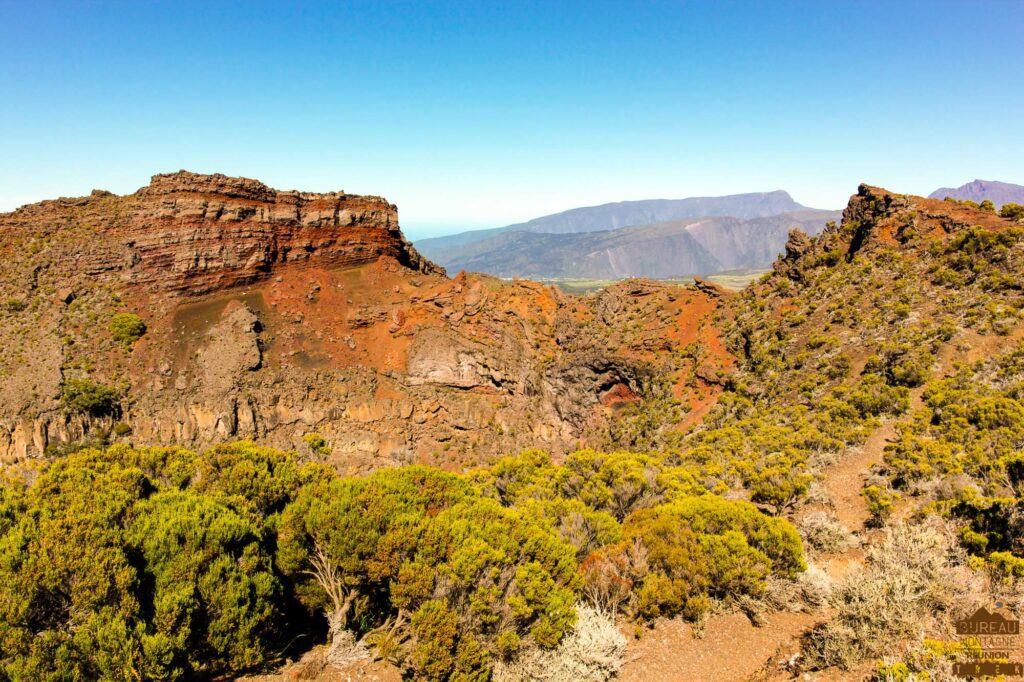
x: 188, y: 233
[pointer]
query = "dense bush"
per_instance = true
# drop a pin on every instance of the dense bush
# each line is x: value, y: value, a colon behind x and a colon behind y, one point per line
x: 964, y: 448
x: 617, y: 483
x: 109, y: 569
x: 675, y: 558
x: 420, y: 546
x: 1012, y: 211
x: 127, y: 328
x: 345, y: 539
x: 873, y: 397
x: 89, y: 397
x: 879, y: 502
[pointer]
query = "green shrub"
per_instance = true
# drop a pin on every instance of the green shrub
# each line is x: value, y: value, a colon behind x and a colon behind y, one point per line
x: 872, y: 397
x: 695, y: 549
x: 880, y: 502
x: 517, y: 478
x: 15, y: 305
x: 366, y: 550
x: 127, y: 328
x: 585, y: 528
x: 618, y: 482
x: 499, y: 568
x: 252, y: 476
x: 112, y: 567
x: 89, y: 397
x: 318, y: 445
x: 1005, y: 567
x: 215, y: 595
x: 780, y: 483
x: 440, y: 653
x: 1012, y: 211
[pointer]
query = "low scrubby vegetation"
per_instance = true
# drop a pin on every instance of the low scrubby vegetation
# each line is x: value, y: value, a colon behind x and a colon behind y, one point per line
x: 160, y: 563
x: 961, y: 457
x: 910, y: 580
x: 90, y: 397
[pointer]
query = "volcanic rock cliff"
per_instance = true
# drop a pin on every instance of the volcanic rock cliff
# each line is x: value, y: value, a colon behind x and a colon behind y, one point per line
x: 273, y: 315
x: 191, y: 234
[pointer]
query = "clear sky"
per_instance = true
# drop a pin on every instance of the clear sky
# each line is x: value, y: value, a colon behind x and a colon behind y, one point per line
x: 477, y: 114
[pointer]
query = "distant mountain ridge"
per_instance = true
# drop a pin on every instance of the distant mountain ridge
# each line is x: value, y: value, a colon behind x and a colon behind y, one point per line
x: 650, y: 238
x: 628, y: 213
x: 693, y: 246
x: 997, y: 192
x: 613, y: 216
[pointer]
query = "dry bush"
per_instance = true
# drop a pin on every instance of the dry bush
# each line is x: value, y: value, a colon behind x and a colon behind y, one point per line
x: 816, y: 492
x: 909, y: 578
x: 344, y: 649
x: 1010, y: 593
x: 593, y: 651
x: 824, y: 533
x: 609, y: 576
x: 815, y: 587
x: 809, y: 591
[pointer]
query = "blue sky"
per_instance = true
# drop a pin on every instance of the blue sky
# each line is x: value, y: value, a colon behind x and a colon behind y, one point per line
x: 476, y: 114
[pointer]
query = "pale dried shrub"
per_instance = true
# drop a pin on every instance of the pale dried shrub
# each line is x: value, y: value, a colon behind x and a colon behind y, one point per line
x: 345, y: 649
x: 815, y: 587
x: 816, y: 492
x: 593, y: 651
x: 809, y: 591
x: 824, y: 533
x: 908, y: 579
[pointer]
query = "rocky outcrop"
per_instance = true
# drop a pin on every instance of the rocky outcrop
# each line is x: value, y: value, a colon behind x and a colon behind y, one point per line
x: 192, y: 234
x: 877, y: 218
x: 444, y: 359
x: 233, y: 347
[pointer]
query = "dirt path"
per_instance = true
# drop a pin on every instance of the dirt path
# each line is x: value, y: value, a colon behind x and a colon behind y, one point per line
x: 731, y: 648
x: 844, y: 480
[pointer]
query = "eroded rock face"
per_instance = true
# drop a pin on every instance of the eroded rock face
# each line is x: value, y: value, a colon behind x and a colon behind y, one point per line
x: 232, y: 348
x: 273, y: 314
x: 191, y: 234
x: 445, y: 359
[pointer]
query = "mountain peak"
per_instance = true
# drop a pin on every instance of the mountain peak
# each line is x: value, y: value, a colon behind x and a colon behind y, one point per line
x: 978, y: 190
